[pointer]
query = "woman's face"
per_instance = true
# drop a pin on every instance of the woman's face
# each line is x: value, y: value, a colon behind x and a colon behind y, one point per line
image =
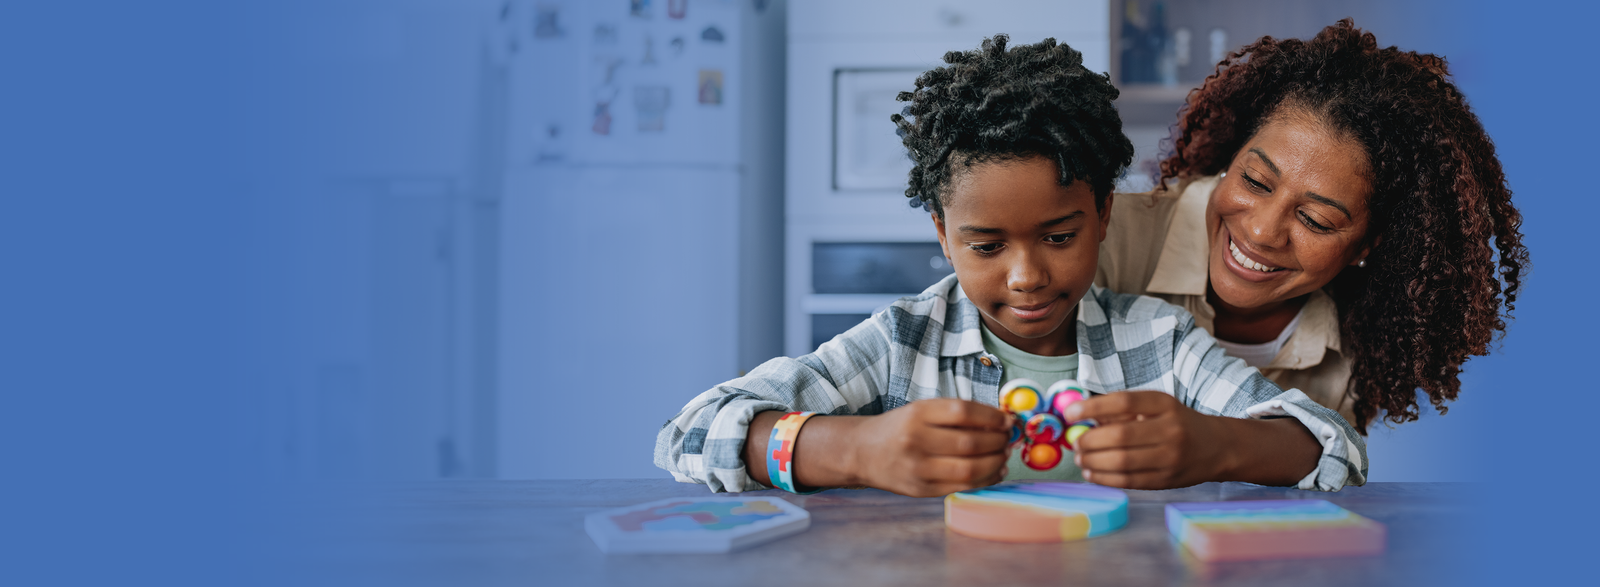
x: 1290, y: 214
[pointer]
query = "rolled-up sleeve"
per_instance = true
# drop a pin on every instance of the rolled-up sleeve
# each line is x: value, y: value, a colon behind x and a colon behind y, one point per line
x: 1214, y: 383
x: 705, y: 442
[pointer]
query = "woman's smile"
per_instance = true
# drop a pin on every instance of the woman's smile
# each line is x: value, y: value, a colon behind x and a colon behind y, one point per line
x: 1248, y: 265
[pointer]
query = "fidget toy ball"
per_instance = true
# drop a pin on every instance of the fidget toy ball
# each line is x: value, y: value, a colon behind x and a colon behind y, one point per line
x: 1042, y: 425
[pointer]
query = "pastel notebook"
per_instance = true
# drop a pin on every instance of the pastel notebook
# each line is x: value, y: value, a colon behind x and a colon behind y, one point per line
x: 697, y: 524
x: 1044, y: 511
x: 1251, y: 530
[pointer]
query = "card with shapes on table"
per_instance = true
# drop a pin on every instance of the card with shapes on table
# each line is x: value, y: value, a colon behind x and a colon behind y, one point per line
x: 695, y: 524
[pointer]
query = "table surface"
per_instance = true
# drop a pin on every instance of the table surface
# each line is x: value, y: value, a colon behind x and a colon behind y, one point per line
x: 490, y: 532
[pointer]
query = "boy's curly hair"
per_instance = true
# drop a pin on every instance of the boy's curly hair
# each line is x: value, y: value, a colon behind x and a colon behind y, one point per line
x: 994, y: 104
x: 1430, y: 294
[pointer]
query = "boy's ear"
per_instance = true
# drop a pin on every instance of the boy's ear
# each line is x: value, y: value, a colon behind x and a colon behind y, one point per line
x: 1105, y: 216
x: 938, y: 224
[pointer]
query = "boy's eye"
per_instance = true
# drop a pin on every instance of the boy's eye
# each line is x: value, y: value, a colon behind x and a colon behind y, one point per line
x: 985, y: 248
x: 1058, y: 239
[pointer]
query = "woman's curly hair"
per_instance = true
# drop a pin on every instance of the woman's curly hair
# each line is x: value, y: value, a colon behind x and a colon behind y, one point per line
x: 994, y: 104
x: 1433, y: 287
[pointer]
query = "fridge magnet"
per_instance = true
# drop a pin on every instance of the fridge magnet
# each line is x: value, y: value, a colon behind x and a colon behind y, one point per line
x: 550, y: 148
x: 650, y: 104
x: 649, y: 51
x: 605, y: 34
x: 711, y: 34
x: 677, y: 8
x: 603, y: 97
x: 677, y: 46
x: 547, y: 22
x: 710, y: 86
x: 602, y: 118
x: 639, y: 8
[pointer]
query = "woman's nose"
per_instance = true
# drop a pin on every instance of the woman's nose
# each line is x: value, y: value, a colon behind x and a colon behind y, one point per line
x: 1266, y: 224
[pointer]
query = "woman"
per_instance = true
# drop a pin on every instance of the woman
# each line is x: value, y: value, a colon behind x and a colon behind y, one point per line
x: 1333, y: 213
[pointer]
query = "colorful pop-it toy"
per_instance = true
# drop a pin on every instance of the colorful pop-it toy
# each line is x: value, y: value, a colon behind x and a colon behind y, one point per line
x: 1044, y: 511
x: 1042, y: 425
x: 1250, y: 530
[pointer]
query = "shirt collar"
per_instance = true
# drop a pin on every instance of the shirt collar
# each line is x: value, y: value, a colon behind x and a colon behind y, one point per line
x: 1181, y: 268
x: 962, y: 334
x: 1318, y: 329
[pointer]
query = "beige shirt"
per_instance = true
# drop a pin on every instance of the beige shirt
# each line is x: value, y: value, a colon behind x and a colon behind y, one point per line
x: 1157, y: 246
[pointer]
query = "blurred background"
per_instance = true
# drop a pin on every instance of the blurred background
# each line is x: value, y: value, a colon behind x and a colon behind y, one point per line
x: 254, y: 247
x: 559, y: 220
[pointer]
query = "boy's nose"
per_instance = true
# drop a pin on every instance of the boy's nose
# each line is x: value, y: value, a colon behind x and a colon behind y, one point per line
x: 1025, y: 275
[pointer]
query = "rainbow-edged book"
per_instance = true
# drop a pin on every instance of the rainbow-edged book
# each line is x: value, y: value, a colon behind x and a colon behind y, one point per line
x: 1251, y: 530
x: 695, y: 524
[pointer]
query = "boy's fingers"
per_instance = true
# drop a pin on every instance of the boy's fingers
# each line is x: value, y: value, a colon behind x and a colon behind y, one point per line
x: 1122, y: 435
x: 949, y: 488
x: 963, y: 442
x: 1138, y: 480
x: 1120, y: 405
x: 963, y: 414
x: 1130, y: 460
x: 962, y: 471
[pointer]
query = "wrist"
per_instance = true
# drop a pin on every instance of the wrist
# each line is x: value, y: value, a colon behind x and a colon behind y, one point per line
x: 850, y: 457
x: 1226, y: 466
x: 1278, y: 452
x: 827, y: 454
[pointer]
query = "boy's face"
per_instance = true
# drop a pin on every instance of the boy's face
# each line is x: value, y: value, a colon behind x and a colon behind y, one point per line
x: 1024, y: 248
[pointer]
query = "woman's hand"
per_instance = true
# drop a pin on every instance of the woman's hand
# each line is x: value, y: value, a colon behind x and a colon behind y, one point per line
x: 1147, y: 440
x: 930, y: 447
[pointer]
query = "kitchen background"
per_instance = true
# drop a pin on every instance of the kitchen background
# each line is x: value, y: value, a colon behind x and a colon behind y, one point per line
x: 259, y: 250
x: 555, y: 221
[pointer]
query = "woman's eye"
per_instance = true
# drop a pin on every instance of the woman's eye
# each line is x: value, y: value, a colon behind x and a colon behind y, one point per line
x: 1060, y: 238
x: 1306, y: 218
x: 986, y: 248
x: 1256, y: 185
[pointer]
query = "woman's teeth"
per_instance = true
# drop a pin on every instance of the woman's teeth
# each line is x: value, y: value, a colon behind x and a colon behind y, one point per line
x: 1243, y: 260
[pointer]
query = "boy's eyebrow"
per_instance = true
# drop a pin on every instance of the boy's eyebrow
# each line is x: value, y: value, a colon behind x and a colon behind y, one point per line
x: 1269, y: 162
x: 1330, y: 202
x: 1045, y: 224
x: 1072, y: 216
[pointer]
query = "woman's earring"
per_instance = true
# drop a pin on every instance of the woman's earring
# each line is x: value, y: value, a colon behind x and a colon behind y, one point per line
x: 1223, y: 176
x: 1362, y: 263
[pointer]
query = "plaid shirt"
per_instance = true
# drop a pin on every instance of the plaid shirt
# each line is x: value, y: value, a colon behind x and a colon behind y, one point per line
x: 930, y: 346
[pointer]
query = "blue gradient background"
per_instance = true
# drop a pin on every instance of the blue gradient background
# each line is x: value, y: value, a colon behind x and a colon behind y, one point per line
x: 155, y: 256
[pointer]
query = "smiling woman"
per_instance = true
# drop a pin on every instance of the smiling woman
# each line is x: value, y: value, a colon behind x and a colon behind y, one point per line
x: 1334, y: 213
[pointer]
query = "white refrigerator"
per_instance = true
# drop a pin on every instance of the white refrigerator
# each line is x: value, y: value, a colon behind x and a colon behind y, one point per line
x: 632, y: 158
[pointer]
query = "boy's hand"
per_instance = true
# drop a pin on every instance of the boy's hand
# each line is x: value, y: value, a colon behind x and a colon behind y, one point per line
x: 1147, y: 440
x: 932, y: 447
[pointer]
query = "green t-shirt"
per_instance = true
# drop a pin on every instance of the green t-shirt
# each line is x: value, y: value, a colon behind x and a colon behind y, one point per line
x: 1015, y: 364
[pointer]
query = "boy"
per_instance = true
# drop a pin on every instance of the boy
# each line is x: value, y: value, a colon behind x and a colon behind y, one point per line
x: 1015, y: 155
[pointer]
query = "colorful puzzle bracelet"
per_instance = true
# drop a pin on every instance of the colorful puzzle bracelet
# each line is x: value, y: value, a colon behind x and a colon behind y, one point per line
x: 780, y: 450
